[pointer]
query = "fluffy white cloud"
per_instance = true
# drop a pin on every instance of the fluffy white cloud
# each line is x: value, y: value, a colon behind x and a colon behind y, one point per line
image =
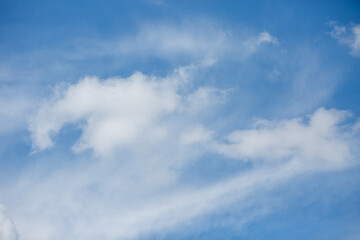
x: 349, y: 36
x: 118, y: 112
x: 318, y: 143
x: 7, y: 227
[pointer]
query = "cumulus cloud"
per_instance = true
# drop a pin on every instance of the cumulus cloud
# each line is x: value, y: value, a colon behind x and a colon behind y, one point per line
x: 7, y: 227
x: 318, y: 143
x: 118, y: 112
x: 115, y: 111
x: 349, y: 36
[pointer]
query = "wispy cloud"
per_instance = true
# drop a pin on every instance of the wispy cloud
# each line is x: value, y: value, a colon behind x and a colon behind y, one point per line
x: 190, y: 39
x: 253, y: 44
x: 347, y: 35
x: 166, y: 40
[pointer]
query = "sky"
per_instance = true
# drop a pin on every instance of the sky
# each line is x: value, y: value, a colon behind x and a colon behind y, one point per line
x: 157, y: 119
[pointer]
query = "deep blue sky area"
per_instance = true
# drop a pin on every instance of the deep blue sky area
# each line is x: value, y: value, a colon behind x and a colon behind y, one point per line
x: 157, y: 119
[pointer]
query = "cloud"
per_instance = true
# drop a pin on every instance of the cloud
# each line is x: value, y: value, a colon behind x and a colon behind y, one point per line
x: 185, y: 40
x: 189, y: 39
x: 128, y: 198
x: 254, y: 43
x: 148, y: 130
x: 349, y: 36
x: 7, y: 227
x: 168, y: 40
x: 147, y: 135
x: 64, y: 204
x: 180, y: 207
x: 319, y: 143
x: 117, y: 112
x: 205, y: 97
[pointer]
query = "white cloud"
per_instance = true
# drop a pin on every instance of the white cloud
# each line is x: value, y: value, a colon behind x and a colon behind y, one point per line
x: 253, y: 44
x: 117, y: 113
x: 149, y: 125
x: 191, y: 39
x: 7, y: 227
x: 349, y: 36
x: 145, y: 122
x: 64, y: 206
x: 320, y: 143
x: 177, y: 43
x: 169, y: 210
x: 266, y: 37
x: 125, y: 199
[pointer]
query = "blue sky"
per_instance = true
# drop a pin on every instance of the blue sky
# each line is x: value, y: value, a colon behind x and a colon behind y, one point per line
x: 179, y: 120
